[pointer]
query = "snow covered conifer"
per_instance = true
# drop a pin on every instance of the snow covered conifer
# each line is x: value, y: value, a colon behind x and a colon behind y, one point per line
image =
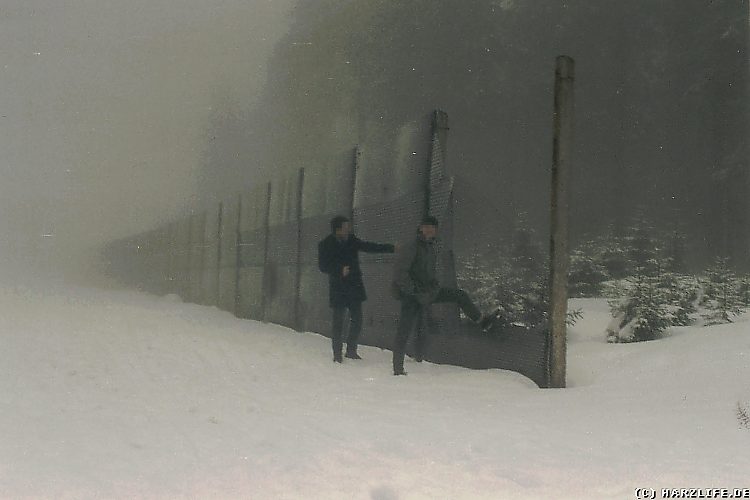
x: 722, y: 296
x: 586, y: 273
x: 515, y: 281
x: 745, y: 291
x: 681, y: 294
x: 641, y: 309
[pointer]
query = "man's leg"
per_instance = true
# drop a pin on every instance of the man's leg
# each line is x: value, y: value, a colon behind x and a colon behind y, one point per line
x: 355, y: 327
x: 457, y: 296
x: 409, y: 310
x: 424, y: 326
x: 336, y: 333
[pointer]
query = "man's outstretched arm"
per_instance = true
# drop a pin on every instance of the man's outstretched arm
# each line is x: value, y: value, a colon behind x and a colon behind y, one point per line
x: 370, y: 247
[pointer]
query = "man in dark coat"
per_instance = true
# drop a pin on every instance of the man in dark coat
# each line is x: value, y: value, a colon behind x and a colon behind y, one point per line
x: 338, y: 256
x: 416, y: 285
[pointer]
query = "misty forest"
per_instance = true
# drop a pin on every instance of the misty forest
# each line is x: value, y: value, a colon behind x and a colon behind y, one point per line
x: 172, y: 171
x: 658, y: 190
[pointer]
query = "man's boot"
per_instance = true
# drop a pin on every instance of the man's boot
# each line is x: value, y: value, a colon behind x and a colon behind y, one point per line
x: 352, y: 354
x: 398, y: 365
x: 487, y: 321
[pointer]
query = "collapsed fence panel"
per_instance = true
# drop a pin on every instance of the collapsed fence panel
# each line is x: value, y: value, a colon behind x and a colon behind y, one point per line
x: 440, y: 196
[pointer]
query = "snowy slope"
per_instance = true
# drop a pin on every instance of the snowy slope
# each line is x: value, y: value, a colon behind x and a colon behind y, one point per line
x: 125, y: 395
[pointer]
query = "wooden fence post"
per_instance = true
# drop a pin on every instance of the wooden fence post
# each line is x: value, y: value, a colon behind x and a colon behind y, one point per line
x: 559, y: 252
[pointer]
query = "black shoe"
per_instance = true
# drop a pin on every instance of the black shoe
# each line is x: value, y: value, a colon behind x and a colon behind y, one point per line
x: 488, y: 320
x: 352, y: 355
x: 399, y: 372
x: 337, y: 358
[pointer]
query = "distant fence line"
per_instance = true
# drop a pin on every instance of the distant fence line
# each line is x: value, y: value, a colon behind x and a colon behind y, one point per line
x: 256, y: 256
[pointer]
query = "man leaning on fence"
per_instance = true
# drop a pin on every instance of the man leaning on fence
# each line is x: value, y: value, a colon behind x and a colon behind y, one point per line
x: 338, y: 257
x: 416, y: 285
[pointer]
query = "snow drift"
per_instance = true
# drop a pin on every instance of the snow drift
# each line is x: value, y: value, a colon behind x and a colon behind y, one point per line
x: 124, y: 395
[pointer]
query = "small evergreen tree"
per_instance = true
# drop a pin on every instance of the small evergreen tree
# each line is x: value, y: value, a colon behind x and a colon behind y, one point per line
x: 722, y: 296
x: 516, y: 282
x: 609, y: 252
x: 681, y: 293
x: 641, y: 306
x: 586, y: 274
x: 745, y: 291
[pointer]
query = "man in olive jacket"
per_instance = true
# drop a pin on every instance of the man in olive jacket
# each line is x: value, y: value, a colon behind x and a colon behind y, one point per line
x: 338, y: 257
x: 416, y: 285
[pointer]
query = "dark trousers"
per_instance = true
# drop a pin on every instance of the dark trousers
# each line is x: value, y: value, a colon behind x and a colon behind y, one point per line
x: 411, y: 311
x: 355, y: 327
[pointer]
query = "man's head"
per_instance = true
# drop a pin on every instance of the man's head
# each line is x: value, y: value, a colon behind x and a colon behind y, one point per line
x: 428, y: 228
x: 341, y: 227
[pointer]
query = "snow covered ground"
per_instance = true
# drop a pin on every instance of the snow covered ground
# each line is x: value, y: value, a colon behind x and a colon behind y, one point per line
x: 123, y: 395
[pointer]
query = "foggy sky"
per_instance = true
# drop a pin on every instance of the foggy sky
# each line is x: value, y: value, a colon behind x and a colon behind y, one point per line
x: 105, y: 110
x: 116, y: 116
x: 661, y: 104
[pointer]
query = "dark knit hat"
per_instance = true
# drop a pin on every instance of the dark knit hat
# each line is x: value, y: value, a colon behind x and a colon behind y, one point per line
x: 337, y: 222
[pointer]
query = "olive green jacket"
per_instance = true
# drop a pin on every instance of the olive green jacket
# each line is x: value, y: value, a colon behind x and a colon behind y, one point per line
x: 415, y: 273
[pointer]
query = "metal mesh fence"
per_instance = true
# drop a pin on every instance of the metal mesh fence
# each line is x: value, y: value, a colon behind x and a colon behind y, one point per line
x: 256, y: 256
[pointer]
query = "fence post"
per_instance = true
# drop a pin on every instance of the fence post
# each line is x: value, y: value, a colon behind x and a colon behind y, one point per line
x: 298, y: 264
x: 440, y: 127
x: 172, y: 258
x: 266, y: 235
x: 439, y: 135
x: 202, y: 259
x: 237, y: 256
x: 187, y: 272
x: 559, y: 258
x: 355, y: 170
x: 219, y: 235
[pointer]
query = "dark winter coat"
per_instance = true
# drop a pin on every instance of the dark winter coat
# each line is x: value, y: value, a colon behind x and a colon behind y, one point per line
x: 334, y: 255
x: 415, y: 272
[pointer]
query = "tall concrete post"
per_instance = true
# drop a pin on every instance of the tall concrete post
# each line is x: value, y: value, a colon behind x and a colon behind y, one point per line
x: 266, y: 236
x: 298, y: 264
x: 559, y: 251
x: 435, y: 167
x: 202, y: 257
x: 355, y: 171
x: 238, y: 257
x: 219, y: 235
